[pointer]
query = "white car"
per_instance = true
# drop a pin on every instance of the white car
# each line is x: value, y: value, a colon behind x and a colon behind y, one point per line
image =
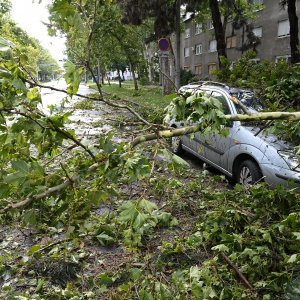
x: 247, y: 154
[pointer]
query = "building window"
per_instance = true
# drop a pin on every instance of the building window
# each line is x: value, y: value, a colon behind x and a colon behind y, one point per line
x: 187, y: 33
x: 185, y: 68
x: 198, y: 28
x: 231, y: 41
x: 186, y: 52
x: 198, y: 49
x: 285, y: 58
x: 213, y: 46
x: 257, y: 31
x: 255, y: 60
x: 212, y: 67
x: 198, y: 70
x: 210, y: 24
x: 283, y: 28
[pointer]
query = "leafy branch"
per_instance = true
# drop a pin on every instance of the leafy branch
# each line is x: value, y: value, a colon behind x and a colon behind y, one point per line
x: 290, y: 116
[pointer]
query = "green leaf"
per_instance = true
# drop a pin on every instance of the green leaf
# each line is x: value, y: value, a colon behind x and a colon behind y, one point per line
x: 136, y: 273
x: 40, y: 285
x: 33, y: 249
x: 220, y: 248
x: 148, y: 206
x: 21, y: 166
x: 17, y: 177
x: 104, y: 239
x: 293, y: 290
x: 293, y: 258
x: 139, y: 220
x: 19, y: 84
x: 163, y: 292
x: 144, y: 295
x: 30, y: 217
x: 105, y: 279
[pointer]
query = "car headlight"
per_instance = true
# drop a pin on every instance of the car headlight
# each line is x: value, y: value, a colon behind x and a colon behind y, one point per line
x: 292, y: 159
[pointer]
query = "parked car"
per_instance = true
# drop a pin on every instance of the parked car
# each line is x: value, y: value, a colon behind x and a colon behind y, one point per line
x: 247, y: 155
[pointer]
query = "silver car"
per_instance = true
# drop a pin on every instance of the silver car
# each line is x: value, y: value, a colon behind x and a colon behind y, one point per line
x: 247, y: 154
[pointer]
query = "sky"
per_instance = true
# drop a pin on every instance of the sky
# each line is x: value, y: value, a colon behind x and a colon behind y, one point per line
x: 29, y: 15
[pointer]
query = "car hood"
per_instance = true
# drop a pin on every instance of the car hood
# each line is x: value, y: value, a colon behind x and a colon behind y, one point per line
x: 272, y: 139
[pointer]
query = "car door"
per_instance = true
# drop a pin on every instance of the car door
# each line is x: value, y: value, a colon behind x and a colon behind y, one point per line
x: 214, y: 148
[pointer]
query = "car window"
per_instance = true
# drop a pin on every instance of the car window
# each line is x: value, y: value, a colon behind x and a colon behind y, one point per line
x: 223, y: 100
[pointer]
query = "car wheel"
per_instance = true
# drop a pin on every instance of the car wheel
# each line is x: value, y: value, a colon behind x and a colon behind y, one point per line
x: 248, y: 173
x: 176, y: 145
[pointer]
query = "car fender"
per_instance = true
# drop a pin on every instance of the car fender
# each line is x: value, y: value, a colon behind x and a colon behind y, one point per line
x: 240, y: 150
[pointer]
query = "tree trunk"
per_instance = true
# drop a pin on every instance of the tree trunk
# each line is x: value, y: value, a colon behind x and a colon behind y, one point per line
x: 98, y: 72
x: 165, y: 70
x: 219, y: 30
x: 134, y: 78
x: 102, y: 77
x: 119, y: 77
x: 177, y: 41
x: 294, y: 31
x: 291, y: 116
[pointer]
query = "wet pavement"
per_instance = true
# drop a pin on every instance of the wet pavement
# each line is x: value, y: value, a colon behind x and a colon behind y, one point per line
x: 87, y: 123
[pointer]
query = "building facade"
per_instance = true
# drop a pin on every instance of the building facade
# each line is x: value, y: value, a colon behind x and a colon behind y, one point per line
x: 199, y: 47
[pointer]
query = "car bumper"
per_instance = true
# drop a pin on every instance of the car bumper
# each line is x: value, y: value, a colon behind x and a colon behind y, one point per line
x: 275, y: 175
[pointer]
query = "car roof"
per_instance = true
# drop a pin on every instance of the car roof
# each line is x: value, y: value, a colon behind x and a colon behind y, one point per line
x: 217, y: 85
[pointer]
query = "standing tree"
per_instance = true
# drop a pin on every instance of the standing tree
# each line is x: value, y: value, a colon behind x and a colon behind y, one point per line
x: 166, y: 20
x: 220, y: 12
x: 96, y: 36
x: 294, y: 29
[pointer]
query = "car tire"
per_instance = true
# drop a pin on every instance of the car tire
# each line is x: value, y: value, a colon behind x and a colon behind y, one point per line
x: 176, y: 145
x: 248, y: 173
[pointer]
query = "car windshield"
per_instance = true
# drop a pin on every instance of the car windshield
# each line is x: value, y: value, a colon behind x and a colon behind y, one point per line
x: 249, y: 99
x: 253, y: 104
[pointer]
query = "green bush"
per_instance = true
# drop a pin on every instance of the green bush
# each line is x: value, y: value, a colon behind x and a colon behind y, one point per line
x: 277, y: 83
x: 185, y: 76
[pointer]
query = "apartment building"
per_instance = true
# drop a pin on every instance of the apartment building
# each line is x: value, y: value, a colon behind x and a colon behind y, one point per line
x: 199, y: 47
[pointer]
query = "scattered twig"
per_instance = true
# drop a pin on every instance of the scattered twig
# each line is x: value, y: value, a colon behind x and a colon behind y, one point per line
x: 67, y: 175
x: 54, y: 244
x: 17, y: 112
x: 46, y: 193
x: 69, y: 136
x: 125, y: 123
x: 60, y: 154
x: 236, y: 269
x: 99, y: 99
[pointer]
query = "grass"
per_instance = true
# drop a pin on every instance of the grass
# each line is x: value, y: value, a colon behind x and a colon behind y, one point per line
x: 146, y: 95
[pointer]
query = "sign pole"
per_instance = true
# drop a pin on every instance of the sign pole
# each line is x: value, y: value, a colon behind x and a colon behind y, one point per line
x: 164, y: 54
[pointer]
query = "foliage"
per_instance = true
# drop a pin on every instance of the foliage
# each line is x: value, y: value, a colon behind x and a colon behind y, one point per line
x: 258, y: 233
x: 38, y: 58
x: 149, y: 102
x: 189, y: 109
x: 273, y: 81
x: 90, y: 40
x: 276, y: 84
x: 103, y: 220
x: 185, y: 76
